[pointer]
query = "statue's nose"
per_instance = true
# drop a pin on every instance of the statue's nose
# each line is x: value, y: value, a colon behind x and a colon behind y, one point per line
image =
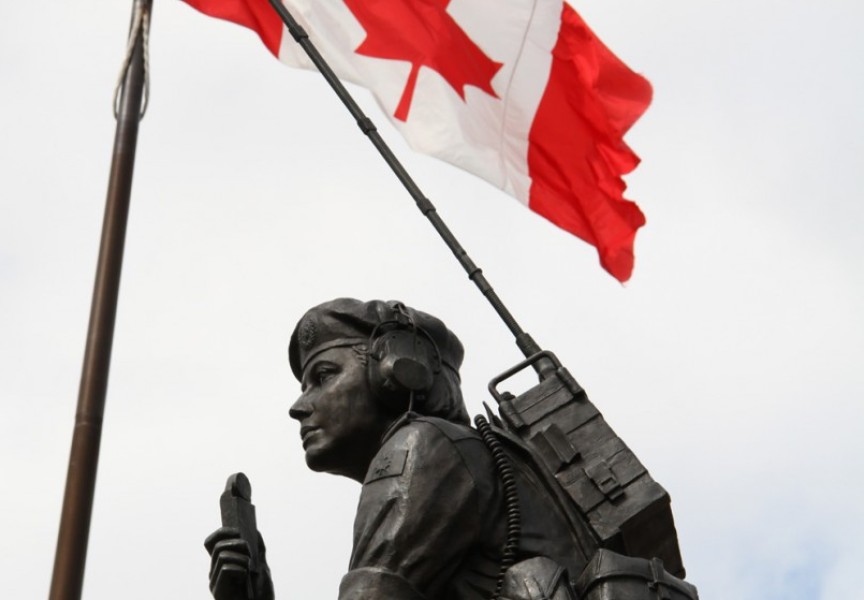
x: 301, y: 408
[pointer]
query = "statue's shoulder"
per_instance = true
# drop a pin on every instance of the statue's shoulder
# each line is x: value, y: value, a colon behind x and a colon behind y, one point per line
x: 421, y: 444
x: 415, y: 429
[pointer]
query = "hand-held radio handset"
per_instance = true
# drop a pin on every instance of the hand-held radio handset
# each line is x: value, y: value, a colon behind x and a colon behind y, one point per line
x: 239, y: 512
x: 239, y: 568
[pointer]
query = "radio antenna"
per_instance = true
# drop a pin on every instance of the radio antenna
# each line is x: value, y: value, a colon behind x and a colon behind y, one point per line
x: 523, y: 340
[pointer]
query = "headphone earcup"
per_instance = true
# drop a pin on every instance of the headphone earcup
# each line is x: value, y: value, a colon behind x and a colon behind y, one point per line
x: 405, y: 374
x: 400, y: 363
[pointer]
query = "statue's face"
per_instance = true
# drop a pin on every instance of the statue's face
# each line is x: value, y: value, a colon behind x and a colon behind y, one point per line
x: 341, y: 424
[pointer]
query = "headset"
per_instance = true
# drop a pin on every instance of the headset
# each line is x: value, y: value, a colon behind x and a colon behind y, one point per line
x: 403, y: 360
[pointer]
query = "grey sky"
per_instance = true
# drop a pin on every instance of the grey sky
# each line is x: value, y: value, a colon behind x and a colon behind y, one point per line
x: 731, y: 363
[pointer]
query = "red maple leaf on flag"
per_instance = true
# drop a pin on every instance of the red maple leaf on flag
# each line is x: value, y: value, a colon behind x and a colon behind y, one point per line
x: 424, y: 34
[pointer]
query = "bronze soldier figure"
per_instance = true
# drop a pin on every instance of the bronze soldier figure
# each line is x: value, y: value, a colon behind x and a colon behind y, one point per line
x: 381, y: 403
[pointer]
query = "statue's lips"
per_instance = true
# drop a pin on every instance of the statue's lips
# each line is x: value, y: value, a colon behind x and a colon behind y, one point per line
x: 306, y: 432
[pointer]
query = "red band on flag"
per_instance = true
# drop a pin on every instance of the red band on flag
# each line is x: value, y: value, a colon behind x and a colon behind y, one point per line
x: 576, y: 151
x: 257, y: 15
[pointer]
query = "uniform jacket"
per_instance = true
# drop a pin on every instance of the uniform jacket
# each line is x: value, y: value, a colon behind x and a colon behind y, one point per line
x: 430, y: 522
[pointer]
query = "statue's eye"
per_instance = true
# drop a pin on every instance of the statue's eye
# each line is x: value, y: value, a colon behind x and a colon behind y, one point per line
x: 324, y: 375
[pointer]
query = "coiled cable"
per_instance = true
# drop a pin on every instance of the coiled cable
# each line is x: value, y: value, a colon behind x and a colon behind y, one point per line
x: 511, y: 498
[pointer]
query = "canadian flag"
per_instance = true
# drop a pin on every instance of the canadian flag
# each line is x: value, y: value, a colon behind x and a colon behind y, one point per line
x: 518, y: 92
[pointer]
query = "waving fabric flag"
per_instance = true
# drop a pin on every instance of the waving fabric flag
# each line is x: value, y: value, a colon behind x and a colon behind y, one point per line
x: 518, y: 92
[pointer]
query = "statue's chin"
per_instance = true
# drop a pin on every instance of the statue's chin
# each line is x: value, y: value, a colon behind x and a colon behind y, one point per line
x: 320, y: 464
x: 314, y: 462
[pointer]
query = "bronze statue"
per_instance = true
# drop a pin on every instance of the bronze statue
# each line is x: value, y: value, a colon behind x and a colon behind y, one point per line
x: 446, y: 511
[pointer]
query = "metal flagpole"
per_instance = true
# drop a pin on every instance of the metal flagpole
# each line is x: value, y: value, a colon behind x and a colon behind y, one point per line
x: 71, y: 553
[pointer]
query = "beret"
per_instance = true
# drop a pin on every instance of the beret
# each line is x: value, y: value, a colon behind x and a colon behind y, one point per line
x: 348, y: 322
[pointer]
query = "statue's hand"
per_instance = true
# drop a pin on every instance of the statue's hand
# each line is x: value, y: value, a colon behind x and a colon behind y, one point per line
x: 232, y: 577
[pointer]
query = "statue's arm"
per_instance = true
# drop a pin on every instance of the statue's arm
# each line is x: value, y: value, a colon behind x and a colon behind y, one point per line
x: 372, y: 582
x: 418, y: 515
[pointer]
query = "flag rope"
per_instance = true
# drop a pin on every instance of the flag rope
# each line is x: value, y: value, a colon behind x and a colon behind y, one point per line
x: 140, y: 26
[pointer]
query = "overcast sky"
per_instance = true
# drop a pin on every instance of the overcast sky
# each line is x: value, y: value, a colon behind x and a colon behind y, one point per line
x: 731, y: 362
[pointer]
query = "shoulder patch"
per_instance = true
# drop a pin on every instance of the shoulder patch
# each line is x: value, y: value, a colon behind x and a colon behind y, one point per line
x: 389, y: 463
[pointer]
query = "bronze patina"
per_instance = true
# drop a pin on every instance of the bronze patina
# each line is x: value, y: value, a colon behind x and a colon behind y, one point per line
x: 445, y: 511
